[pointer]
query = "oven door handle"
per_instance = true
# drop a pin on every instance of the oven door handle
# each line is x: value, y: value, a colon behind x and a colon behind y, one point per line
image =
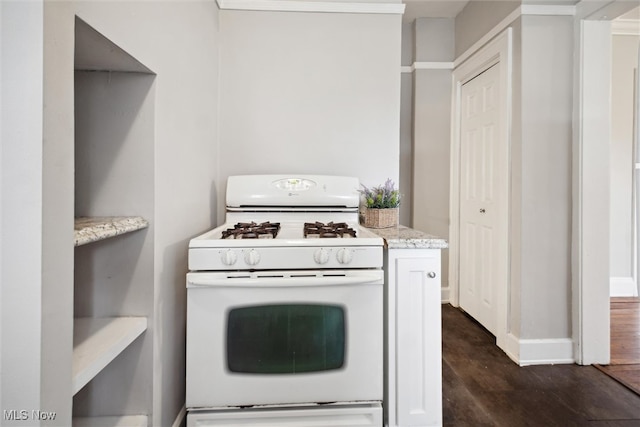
x: 283, y: 282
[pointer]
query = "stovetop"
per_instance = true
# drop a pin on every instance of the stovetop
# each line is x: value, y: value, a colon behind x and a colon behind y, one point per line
x: 270, y: 230
x: 283, y: 222
x: 328, y: 231
x: 288, y: 234
x: 289, y: 249
x: 252, y: 230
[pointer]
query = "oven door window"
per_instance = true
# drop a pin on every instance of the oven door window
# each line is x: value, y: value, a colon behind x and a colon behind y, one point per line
x: 285, y: 338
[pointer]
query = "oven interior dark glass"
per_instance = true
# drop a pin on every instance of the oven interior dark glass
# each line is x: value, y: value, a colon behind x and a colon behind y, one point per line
x: 285, y: 338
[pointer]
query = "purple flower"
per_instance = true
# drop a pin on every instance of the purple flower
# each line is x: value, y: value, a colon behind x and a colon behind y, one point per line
x: 381, y: 197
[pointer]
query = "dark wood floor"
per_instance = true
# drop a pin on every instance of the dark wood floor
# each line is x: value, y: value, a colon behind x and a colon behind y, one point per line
x: 625, y: 331
x: 625, y: 342
x: 483, y: 387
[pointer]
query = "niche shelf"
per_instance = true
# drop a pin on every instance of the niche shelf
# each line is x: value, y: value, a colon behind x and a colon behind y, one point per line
x: 97, y: 341
x: 113, y: 289
x: 125, y: 421
x: 93, y: 229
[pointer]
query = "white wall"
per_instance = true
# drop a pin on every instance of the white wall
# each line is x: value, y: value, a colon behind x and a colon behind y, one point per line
x: 434, y: 42
x: 20, y: 206
x: 545, y: 169
x: 178, y: 41
x: 406, y: 126
x: 541, y: 181
x: 624, y: 64
x: 309, y: 93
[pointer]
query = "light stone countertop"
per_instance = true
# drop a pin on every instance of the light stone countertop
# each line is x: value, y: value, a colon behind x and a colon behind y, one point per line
x: 402, y: 237
x: 92, y: 229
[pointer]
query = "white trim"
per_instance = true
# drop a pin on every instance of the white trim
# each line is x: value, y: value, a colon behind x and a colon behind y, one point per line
x: 180, y: 417
x: 590, y: 222
x: 312, y: 6
x: 426, y: 66
x: 498, y: 51
x: 635, y: 183
x: 625, y: 27
x: 512, y: 347
x: 623, y: 287
x: 528, y: 10
x: 548, y: 10
x: 433, y: 65
x: 487, y: 37
x: 543, y: 352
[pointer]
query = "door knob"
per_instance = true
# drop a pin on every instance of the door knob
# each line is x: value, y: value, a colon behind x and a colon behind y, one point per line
x: 431, y: 274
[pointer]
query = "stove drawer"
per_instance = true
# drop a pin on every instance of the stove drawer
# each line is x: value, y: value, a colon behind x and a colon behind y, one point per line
x: 357, y: 415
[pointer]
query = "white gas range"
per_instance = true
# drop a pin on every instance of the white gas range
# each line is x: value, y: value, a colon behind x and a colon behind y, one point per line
x: 285, y: 308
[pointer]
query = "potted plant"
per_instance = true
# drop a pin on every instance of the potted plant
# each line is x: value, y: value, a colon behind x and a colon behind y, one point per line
x: 380, y: 205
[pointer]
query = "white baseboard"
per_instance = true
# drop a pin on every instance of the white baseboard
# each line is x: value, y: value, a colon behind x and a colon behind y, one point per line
x: 179, y: 421
x: 444, y: 295
x: 539, y: 352
x: 511, y: 347
x: 622, y: 287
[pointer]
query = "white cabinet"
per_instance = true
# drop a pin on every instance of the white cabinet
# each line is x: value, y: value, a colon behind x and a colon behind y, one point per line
x: 413, y: 395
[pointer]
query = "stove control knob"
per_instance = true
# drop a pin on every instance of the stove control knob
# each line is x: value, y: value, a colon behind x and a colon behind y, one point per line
x: 252, y: 257
x: 344, y: 256
x: 229, y: 257
x: 321, y: 256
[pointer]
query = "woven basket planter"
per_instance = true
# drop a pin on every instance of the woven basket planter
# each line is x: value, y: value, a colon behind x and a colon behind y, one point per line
x: 380, y: 218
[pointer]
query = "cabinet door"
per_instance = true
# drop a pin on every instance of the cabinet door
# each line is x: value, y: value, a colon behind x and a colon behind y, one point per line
x: 419, y: 342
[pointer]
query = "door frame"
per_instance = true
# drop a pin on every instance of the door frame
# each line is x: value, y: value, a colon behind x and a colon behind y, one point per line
x: 636, y: 171
x: 590, y: 234
x: 498, y: 51
x: 590, y: 237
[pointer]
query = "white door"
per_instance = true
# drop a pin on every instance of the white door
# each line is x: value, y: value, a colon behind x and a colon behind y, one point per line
x: 479, y: 199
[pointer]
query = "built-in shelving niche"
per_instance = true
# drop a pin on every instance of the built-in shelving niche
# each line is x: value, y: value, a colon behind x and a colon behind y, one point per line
x: 114, y: 199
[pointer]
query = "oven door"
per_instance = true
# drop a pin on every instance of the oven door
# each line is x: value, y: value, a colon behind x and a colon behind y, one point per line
x: 275, y: 338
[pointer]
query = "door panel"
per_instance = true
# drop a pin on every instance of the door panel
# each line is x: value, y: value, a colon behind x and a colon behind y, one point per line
x: 478, y: 198
x: 347, y: 320
x: 419, y: 389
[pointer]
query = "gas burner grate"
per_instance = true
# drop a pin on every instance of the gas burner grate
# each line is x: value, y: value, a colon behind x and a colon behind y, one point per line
x: 331, y: 229
x: 252, y: 230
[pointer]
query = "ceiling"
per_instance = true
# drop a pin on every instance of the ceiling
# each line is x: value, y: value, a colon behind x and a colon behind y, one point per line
x: 633, y: 14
